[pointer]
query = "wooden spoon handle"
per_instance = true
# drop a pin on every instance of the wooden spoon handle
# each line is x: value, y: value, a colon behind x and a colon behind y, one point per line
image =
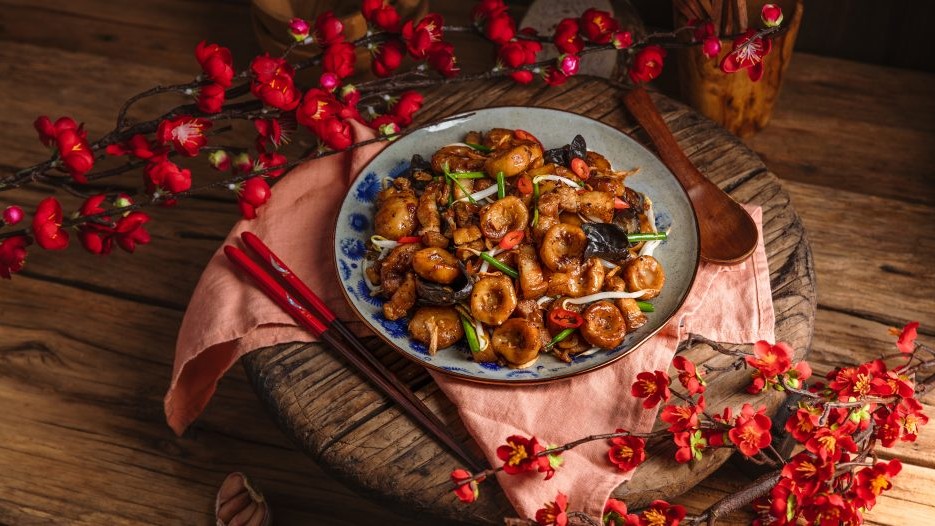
x: 642, y: 107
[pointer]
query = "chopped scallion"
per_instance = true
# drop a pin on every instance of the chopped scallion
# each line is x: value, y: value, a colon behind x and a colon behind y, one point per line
x: 497, y: 264
x: 560, y: 336
x: 648, y: 236
x: 480, y: 147
x: 470, y: 335
x: 468, y: 175
x: 454, y: 180
x: 535, y: 203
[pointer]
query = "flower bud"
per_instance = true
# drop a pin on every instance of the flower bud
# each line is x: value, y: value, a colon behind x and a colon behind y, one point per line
x: 252, y: 194
x: 122, y: 201
x: 219, y: 160
x: 242, y: 162
x: 711, y: 46
x: 299, y: 29
x: 568, y: 64
x: 390, y: 128
x: 348, y: 90
x: 622, y: 39
x: 12, y: 215
x: 771, y: 15
x: 328, y: 81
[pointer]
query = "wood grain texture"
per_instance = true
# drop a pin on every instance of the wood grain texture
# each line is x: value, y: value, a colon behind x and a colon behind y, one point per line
x: 86, y: 343
x: 366, y: 442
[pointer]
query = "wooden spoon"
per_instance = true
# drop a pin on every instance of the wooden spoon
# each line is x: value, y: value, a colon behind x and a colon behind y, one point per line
x: 728, y: 233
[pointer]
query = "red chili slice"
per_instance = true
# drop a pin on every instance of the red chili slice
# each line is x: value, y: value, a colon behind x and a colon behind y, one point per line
x: 511, y: 239
x: 620, y: 204
x: 524, y: 135
x: 409, y: 239
x: 567, y: 319
x: 580, y: 168
x: 524, y: 185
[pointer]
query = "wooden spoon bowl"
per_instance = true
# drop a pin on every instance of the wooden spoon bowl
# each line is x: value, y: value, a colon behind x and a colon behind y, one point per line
x: 728, y: 233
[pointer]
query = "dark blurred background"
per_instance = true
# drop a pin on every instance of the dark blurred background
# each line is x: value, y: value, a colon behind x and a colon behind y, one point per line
x: 887, y: 32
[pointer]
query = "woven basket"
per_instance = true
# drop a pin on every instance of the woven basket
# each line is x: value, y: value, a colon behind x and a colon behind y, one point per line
x: 271, y: 22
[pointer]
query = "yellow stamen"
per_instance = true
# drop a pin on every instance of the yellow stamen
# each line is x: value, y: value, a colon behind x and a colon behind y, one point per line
x: 518, y: 455
x: 878, y: 484
x: 625, y: 453
x: 654, y: 517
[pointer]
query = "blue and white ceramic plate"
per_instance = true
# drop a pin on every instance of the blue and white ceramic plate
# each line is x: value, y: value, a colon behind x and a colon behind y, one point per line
x: 554, y: 128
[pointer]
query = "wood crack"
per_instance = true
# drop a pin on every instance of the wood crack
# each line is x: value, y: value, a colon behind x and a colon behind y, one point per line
x: 326, y: 445
x: 106, y: 291
x: 878, y: 318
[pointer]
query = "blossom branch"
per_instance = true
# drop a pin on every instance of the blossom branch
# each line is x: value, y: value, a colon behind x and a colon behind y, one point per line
x: 556, y: 450
x: 173, y: 196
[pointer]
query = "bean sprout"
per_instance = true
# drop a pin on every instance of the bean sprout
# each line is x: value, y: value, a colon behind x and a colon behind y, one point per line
x: 650, y: 246
x: 486, y: 192
x: 557, y: 179
x: 543, y: 300
x: 374, y: 288
x: 382, y: 243
x: 650, y: 213
x: 611, y: 295
x: 482, y: 341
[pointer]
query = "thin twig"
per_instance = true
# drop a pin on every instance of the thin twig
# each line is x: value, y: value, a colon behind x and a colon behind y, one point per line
x: 180, y: 88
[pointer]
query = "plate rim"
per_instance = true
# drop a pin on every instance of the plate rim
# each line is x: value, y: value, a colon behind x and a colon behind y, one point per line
x: 516, y: 381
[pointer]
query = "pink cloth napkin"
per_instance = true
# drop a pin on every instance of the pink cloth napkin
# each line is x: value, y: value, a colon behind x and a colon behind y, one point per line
x: 228, y: 317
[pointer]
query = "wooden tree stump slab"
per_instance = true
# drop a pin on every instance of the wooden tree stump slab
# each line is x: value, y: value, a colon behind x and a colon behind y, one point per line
x: 358, y: 435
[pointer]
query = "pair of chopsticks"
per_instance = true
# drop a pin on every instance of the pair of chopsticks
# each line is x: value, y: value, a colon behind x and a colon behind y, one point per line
x: 324, y: 324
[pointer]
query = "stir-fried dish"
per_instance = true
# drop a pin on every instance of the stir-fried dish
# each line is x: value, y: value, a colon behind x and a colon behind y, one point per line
x: 515, y: 249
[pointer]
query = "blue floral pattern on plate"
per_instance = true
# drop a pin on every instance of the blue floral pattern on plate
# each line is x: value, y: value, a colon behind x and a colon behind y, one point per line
x: 367, y: 187
x: 359, y: 222
x: 553, y: 128
x: 353, y: 249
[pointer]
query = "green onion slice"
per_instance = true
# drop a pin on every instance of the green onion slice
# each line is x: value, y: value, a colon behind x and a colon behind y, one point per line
x: 535, y: 203
x: 453, y: 179
x: 497, y: 264
x: 470, y: 335
x: 560, y: 336
x: 468, y: 175
x: 480, y: 147
x: 648, y: 236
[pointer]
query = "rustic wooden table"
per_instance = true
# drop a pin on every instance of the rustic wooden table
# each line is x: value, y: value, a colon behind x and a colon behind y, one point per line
x: 365, y: 440
x: 86, y: 343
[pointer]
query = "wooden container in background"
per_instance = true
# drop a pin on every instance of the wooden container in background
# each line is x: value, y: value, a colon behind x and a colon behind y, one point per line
x: 271, y: 22
x: 732, y: 100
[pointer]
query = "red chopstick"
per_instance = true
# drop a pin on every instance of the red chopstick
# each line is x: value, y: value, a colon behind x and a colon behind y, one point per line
x: 358, y: 354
